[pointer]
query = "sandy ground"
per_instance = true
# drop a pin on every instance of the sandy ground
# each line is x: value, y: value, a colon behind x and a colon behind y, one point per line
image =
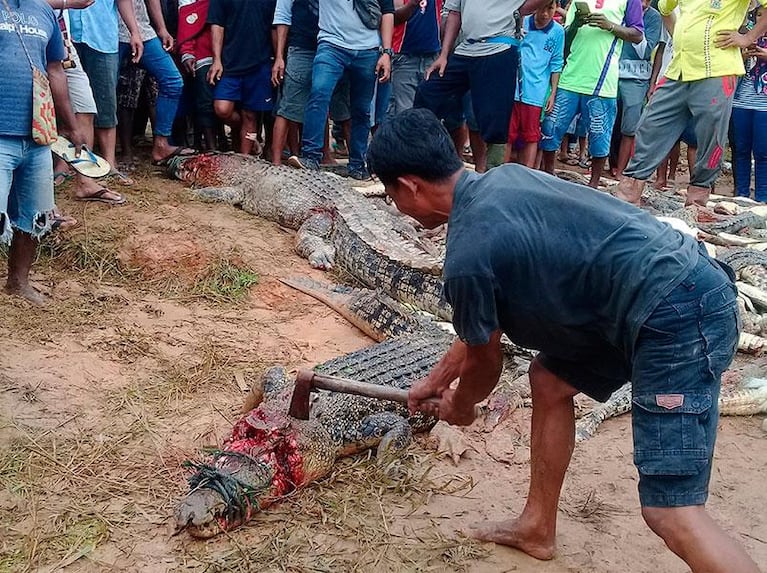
x: 143, y: 359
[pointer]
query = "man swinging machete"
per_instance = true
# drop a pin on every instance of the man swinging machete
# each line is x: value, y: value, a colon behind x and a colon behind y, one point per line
x: 606, y: 293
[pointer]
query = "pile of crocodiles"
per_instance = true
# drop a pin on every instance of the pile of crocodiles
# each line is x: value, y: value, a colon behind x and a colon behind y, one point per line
x: 269, y: 455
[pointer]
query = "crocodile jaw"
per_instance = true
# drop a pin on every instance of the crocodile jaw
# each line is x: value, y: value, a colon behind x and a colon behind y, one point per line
x: 198, y: 514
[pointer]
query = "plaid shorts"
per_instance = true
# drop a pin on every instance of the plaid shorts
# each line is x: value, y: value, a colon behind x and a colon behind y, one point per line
x: 130, y: 83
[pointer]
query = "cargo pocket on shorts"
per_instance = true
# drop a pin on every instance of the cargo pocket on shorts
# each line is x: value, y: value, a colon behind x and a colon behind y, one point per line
x: 719, y: 327
x: 671, y: 433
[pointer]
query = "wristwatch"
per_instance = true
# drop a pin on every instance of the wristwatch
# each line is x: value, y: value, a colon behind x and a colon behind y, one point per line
x: 388, y: 51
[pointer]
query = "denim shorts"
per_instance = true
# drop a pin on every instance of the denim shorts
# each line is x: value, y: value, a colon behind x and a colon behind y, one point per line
x: 675, y: 368
x: 601, y: 112
x: 26, y: 187
x: 297, y: 84
x: 253, y: 90
x: 102, y: 70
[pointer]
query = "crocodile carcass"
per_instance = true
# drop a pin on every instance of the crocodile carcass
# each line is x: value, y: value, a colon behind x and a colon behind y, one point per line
x: 337, y: 226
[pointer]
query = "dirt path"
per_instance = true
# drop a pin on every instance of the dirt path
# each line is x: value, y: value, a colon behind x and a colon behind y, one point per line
x: 163, y: 312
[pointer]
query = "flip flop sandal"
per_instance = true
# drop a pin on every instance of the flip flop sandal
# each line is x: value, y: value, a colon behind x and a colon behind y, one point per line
x: 178, y: 152
x: 88, y: 164
x: 99, y: 197
x: 120, y: 178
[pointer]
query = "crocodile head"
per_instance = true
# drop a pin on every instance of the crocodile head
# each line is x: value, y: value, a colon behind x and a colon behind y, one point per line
x: 203, y: 170
x: 267, y: 456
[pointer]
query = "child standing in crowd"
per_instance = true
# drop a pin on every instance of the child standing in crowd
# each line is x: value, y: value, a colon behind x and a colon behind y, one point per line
x: 749, y: 121
x: 542, y: 59
x: 242, y: 70
x: 196, y: 50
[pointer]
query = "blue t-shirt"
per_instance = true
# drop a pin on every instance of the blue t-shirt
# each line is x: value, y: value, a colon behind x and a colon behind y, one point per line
x: 558, y: 267
x: 419, y: 35
x: 42, y: 37
x: 96, y: 26
x: 542, y: 54
x: 247, y: 33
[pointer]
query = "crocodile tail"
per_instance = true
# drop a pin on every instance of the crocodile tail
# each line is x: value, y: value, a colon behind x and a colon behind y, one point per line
x: 374, y: 313
x: 748, y: 399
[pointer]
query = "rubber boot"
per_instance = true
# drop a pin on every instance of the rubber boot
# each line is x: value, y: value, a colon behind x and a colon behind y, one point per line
x: 630, y: 190
x: 697, y: 195
x: 495, y: 153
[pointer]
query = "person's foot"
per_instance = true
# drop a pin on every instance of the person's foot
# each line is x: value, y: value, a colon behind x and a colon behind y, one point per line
x: 161, y: 156
x: 630, y: 190
x: 61, y: 222
x: 514, y: 533
x: 90, y: 189
x: 303, y: 163
x: 328, y: 159
x: 27, y: 292
x: 360, y: 174
x: 61, y: 177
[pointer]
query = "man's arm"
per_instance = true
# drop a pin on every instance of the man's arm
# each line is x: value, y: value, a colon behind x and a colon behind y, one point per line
x: 656, y: 65
x: 626, y: 33
x: 283, y: 19
x: 217, y: 40
x: 403, y: 9
x: 730, y: 38
x: 281, y: 41
x: 60, y: 93
x: 70, y: 4
x: 451, y: 29
x: 478, y: 368
x: 128, y: 14
x: 158, y: 22
x: 383, y: 66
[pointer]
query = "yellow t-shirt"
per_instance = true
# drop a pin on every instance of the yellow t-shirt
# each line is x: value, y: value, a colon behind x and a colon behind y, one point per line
x: 695, y: 55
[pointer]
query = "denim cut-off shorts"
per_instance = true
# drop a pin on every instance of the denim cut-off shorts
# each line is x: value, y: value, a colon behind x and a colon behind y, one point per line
x: 676, y: 369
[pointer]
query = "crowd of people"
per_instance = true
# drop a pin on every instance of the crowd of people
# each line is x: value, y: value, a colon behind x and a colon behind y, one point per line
x: 512, y: 80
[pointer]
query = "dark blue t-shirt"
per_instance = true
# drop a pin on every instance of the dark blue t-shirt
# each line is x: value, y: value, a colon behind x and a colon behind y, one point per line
x: 305, y: 24
x: 419, y: 35
x: 42, y: 37
x: 558, y: 267
x: 247, y: 33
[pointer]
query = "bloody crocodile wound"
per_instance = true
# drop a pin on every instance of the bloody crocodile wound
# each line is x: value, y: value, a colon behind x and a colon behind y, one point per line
x: 269, y: 455
x: 337, y: 227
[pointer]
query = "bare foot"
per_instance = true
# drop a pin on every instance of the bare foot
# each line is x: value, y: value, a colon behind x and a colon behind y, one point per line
x: 514, y: 533
x: 27, y: 292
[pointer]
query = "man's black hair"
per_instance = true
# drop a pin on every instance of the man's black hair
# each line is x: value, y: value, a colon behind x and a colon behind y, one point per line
x: 413, y: 142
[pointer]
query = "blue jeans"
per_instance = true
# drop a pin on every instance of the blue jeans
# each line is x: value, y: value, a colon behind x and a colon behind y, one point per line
x: 330, y: 63
x: 160, y: 64
x: 748, y: 133
x: 600, y: 111
x: 26, y: 187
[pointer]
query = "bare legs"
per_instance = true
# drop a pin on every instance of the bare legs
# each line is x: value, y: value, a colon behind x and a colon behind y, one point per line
x: 697, y: 539
x: 551, y: 446
x: 624, y: 153
x: 20, y: 257
x: 106, y: 138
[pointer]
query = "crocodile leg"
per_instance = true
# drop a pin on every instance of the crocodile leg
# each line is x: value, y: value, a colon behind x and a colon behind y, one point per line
x: 312, y: 241
x: 390, y: 433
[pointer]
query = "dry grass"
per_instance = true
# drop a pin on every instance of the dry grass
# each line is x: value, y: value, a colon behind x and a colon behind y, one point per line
x: 353, y: 520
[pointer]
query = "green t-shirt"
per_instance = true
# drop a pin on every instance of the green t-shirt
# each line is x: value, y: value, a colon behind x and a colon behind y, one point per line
x: 592, y: 66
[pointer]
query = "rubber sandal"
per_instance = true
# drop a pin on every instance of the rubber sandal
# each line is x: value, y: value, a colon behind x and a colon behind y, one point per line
x: 120, y: 178
x: 178, y: 152
x: 88, y: 164
x: 99, y: 197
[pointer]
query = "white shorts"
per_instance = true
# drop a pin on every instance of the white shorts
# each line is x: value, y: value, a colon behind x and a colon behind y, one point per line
x: 79, y: 87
